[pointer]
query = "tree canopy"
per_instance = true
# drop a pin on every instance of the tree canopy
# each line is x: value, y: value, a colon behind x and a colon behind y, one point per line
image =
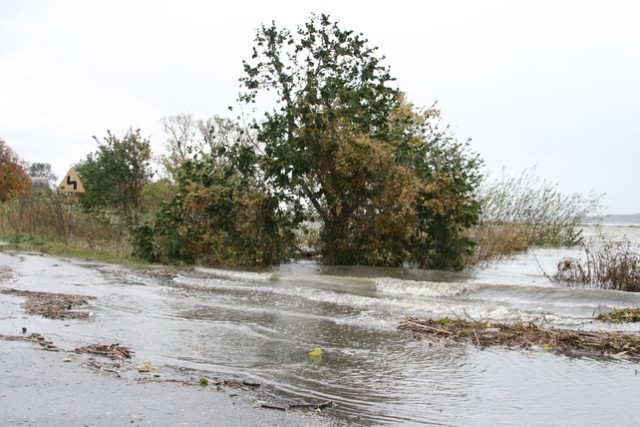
x: 116, y: 173
x: 14, y: 179
x: 341, y: 147
x: 386, y: 183
x: 222, y: 212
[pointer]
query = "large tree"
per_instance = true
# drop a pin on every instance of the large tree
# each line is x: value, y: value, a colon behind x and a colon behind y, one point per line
x: 14, y: 179
x: 386, y: 183
x: 43, y: 170
x: 115, y: 174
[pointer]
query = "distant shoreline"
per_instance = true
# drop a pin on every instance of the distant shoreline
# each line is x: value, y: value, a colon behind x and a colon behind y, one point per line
x: 615, y: 219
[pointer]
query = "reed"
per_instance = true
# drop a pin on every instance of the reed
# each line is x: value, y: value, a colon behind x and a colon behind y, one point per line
x: 603, y: 265
x: 42, y: 222
x: 519, y: 212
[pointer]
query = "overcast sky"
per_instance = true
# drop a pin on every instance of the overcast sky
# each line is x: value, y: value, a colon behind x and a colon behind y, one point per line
x: 552, y: 84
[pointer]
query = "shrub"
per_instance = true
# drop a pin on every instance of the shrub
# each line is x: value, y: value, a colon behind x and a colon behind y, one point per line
x: 524, y: 211
x: 42, y: 218
x: 221, y: 214
x: 608, y: 265
x: 14, y: 180
x: 115, y: 175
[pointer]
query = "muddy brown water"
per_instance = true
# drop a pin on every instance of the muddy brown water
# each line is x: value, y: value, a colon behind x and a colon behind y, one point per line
x: 260, y: 326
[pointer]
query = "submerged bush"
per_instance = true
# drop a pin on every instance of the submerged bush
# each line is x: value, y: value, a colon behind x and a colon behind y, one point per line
x: 609, y: 265
x: 622, y: 315
x: 519, y: 212
x: 221, y: 212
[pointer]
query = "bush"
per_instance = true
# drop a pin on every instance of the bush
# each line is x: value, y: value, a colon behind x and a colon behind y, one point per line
x: 14, y: 180
x: 144, y: 245
x: 607, y: 265
x: 524, y: 211
x: 42, y: 218
x: 221, y: 214
x: 115, y: 175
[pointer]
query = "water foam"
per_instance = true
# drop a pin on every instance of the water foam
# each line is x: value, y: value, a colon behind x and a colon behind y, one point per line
x: 243, y: 276
x: 389, y: 285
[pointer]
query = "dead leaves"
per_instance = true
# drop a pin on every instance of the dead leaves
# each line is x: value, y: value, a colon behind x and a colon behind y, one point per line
x: 51, y: 305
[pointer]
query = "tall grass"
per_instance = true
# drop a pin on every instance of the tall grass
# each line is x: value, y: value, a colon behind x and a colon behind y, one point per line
x: 519, y: 212
x: 606, y: 265
x: 43, y: 222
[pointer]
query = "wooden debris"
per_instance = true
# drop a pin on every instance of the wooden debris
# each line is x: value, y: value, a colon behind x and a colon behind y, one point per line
x: 53, y: 306
x: 314, y: 407
x: 526, y: 335
x: 36, y: 338
x: 242, y: 384
x: 277, y: 408
x: 112, y: 351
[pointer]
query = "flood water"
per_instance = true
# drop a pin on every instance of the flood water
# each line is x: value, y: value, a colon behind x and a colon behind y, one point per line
x: 261, y: 326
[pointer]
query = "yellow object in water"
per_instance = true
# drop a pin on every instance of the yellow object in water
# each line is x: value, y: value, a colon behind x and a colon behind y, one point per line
x: 315, y: 355
x: 316, y: 352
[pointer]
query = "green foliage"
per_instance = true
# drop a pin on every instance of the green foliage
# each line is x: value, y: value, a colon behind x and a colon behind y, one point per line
x: 386, y: 183
x: 115, y: 175
x: 143, y: 242
x: 188, y: 137
x: 448, y: 172
x: 43, y: 170
x: 221, y: 214
x: 153, y: 195
x: 546, y: 216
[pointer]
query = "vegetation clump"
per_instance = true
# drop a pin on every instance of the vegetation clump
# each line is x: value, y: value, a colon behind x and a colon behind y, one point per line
x: 621, y: 315
x: 606, y: 265
x: 115, y: 175
x: 113, y: 351
x: 525, y: 336
x: 519, y: 212
x: 14, y: 179
x: 343, y: 147
x: 340, y: 159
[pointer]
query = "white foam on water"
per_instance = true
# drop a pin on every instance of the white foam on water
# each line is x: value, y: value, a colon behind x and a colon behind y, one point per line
x: 422, y: 288
x: 235, y: 275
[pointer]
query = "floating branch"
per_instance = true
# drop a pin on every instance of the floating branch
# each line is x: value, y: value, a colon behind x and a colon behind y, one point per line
x: 112, y: 351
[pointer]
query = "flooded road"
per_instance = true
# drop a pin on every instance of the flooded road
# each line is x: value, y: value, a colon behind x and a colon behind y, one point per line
x: 262, y: 325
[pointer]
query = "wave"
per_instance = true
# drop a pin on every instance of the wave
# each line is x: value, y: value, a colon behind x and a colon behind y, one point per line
x: 422, y: 288
x: 239, y: 276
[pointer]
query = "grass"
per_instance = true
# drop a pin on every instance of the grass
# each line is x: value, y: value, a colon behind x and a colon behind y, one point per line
x: 607, y: 265
x: 43, y: 223
x: 520, y: 212
x: 115, y: 253
x: 495, y: 241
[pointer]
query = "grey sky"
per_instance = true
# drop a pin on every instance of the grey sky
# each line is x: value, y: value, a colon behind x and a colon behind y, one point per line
x: 549, y: 83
